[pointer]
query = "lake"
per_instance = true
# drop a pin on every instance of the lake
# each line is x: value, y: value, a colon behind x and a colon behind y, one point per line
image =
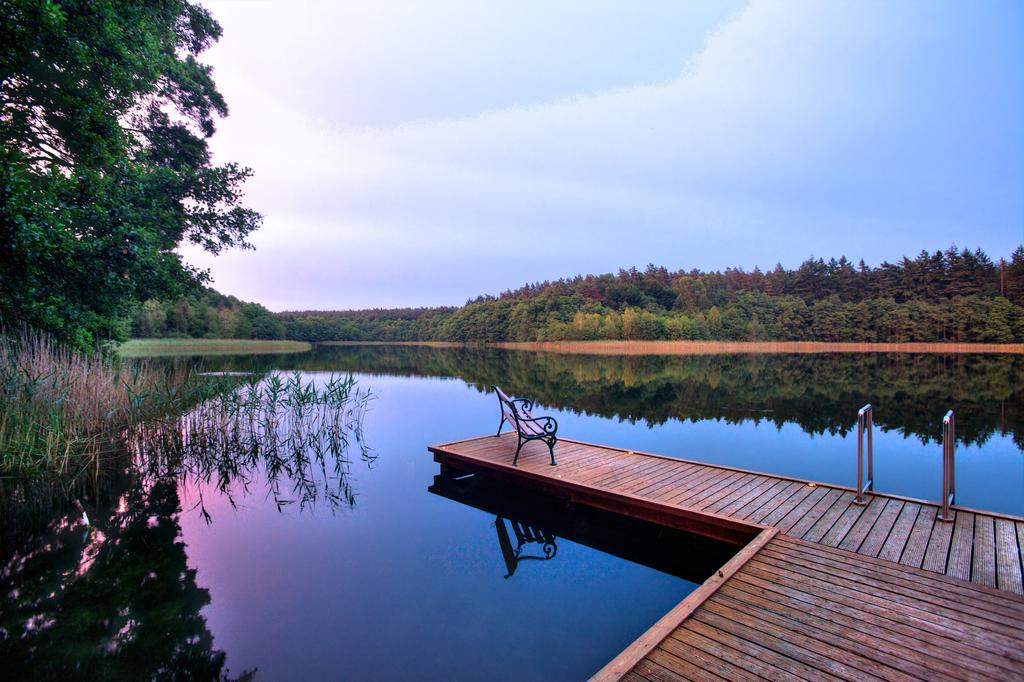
x: 413, y: 575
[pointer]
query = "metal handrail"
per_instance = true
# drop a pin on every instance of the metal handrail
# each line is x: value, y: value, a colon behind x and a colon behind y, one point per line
x: 948, y: 464
x: 865, y: 422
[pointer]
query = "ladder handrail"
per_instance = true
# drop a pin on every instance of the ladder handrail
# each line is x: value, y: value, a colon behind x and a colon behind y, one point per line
x: 865, y: 422
x: 948, y: 464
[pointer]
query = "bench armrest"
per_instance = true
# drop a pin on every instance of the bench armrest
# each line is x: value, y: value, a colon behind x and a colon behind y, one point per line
x: 549, y: 424
x: 527, y: 404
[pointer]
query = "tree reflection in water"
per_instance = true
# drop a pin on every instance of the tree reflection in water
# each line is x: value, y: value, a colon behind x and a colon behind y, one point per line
x: 113, y: 601
x: 115, y: 598
x: 819, y: 392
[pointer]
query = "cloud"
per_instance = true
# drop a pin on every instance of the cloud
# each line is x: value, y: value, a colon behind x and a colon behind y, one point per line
x: 864, y: 129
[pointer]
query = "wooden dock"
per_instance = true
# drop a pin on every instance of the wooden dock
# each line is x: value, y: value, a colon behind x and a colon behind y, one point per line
x: 822, y: 587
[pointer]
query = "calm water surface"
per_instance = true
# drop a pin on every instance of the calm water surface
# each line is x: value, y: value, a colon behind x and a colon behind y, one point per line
x: 419, y: 580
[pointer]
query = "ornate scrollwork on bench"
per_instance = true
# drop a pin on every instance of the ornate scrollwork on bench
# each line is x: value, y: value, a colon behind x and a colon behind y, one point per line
x: 516, y: 412
x: 526, y: 536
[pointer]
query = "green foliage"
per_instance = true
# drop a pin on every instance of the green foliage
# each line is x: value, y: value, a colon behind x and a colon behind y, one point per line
x: 945, y: 296
x: 400, y: 324
x: 205, y: 314
x: 104, y: 116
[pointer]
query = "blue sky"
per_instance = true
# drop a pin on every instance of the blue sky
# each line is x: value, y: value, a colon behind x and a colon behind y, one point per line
x: 414, y: 154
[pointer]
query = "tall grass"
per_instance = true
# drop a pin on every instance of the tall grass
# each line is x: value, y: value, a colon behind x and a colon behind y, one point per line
x: 70, y: 423
x: 62, y: 410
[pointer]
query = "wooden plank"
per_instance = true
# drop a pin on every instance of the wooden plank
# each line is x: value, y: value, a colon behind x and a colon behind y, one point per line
x: 743, y: 488
x: 819, y: 509
x: 983, y: 561
x: 863, y: 525
x: 995, y: 633
x: 917, y: 543
x: 829, y: 518
x: 636, y: 651
x: 795, y: 645
x: 666, y: 477
x: 882, y: 632
x: 634, y: 677
x: 893, y: 547
x: 978, y: 596
x: 760, y: 500
x: 936, y: 556
x: 973, y: 604
x: 640, y: 476
x: 1008, y: 557
x: 686, y: 637
x: 680, y: 665
x: 706, y: 487
x: 874, y: 658
x: 880, y: 532
x: 756, y: 511
x: 730, y: 506
x: 880, y: 619
x: 773, y: 517
x: 655, y: 673
x: 667, y: 493
x: 741, y: 482
x: 698, y: 481
x: 674, y: 485
x: 620, y: 470
x: 835, y: 535
x: 750, y: 650
x: 706, y: 662
x: 801, y: 510
x: 961, y: 546
x: 982, y: 638
x: 906, y: 593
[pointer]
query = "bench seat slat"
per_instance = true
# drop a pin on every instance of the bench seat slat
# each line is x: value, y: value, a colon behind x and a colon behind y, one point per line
x: 514, y: 412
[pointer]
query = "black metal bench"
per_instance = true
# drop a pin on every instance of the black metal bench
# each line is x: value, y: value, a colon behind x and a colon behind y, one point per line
x: 516, y: 411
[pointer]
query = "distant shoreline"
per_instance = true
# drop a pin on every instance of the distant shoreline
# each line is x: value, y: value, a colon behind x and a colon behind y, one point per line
x: 137, y: 348
x: 708, y: 347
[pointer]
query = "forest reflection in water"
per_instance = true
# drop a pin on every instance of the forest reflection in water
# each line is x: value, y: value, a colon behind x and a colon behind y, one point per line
x: 819, y: 392
x: 115, y: 599
x: 104, y: 591
x: 127, y: 595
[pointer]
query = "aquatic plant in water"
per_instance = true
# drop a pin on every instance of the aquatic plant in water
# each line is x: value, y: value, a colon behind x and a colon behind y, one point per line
x: 296, y: 435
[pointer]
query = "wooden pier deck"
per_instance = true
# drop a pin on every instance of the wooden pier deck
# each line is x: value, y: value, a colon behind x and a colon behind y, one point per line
x: 823, y: 588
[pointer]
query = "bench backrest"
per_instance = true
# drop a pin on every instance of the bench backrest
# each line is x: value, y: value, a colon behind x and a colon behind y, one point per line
x: 511, y: 412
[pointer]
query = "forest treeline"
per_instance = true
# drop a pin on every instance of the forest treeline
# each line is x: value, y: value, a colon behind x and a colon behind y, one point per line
x: 206, y: 314
x: 953, y: 295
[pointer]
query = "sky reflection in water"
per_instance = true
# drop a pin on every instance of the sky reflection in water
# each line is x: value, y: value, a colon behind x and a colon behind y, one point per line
x: 411, y: 582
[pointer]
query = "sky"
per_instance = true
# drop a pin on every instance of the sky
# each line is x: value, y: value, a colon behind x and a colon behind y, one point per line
x: 420, y: 154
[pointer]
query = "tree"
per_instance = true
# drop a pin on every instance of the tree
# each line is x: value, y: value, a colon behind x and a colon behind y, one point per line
x: 998, y: 325
x: 105, y: 114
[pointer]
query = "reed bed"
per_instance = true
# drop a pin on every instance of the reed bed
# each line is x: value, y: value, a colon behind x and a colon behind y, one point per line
x: 80, y: 426
x: 60, y: 409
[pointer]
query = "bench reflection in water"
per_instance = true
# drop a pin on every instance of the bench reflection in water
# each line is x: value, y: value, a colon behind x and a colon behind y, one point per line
x: 529, y: 525
x: 525, y: 537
